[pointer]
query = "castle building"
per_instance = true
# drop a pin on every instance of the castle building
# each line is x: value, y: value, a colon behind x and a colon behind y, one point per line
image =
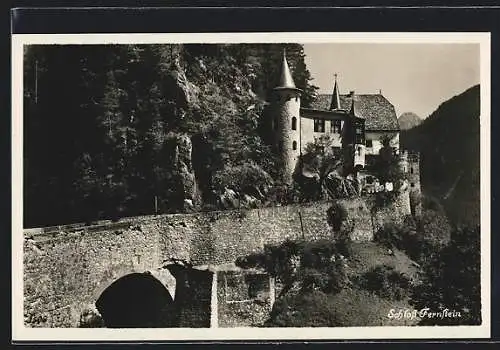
x: 356, y: 124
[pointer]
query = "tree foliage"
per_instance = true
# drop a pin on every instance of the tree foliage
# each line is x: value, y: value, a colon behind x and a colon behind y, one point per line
x: 386, y: 282
x: 99, y: 121
x: 387, y: 168
x: 322, y: 173
x: 311, y: 265
x: 452, y: 281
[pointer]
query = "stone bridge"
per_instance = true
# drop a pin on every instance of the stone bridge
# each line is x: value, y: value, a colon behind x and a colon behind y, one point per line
x: 67, y: 268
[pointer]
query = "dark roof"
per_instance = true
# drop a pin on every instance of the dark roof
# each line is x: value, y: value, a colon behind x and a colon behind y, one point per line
x: 286, y: 80
x: 378, y: 112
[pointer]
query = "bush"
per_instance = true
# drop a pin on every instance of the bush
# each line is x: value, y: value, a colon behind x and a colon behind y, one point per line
x: 384, y: 281
x: 314, y: 265
x: 452, y: 280
x: 303, y: 310
x: 283, y: 194
x: 391, y: 235
x: 247, y: 178
x: 384, y: 198
x: 336, y: 215
x: 419, y: 239
x: 90, y: 319
x: 343, y: 241
x: 434, y: 227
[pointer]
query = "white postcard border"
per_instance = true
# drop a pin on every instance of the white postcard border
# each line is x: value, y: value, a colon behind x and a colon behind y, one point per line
x: 22, y: 333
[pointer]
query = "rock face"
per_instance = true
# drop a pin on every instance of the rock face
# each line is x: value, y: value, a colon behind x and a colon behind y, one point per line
x: 180, y: 148
x: 180, y: 89
x: 408, y: 120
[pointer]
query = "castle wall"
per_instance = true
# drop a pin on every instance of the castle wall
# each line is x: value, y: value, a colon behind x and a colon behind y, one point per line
x: 243, y: 298
x: 66, y: 268
x: 376, y: 138
x: 410, y: 162
x: 307, y: 132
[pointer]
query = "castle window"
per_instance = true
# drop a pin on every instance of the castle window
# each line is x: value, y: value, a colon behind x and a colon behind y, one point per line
x: 335, y: 128
x: 319, y: 125
x: 411, y: 170
x: 294, y: 123
x: 369, y: 143
x: 294, y: 145
x: 359, y: 151
x: 412, y: 184
x: 360, y: 137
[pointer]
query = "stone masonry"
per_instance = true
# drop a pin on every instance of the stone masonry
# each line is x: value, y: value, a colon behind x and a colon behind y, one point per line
x: 66, y: 268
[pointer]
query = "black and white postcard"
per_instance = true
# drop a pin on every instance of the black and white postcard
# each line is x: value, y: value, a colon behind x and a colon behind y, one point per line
x: 251, y: 186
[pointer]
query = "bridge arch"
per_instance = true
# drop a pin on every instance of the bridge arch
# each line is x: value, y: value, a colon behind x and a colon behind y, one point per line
x: 136, y: 300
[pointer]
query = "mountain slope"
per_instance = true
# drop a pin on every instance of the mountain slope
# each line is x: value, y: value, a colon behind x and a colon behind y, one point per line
x: 408, y: 120
x: 124, y: 130
x: 448, y: 142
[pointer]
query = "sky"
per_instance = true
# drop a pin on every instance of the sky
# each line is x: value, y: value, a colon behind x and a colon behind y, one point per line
x: 413, y: 77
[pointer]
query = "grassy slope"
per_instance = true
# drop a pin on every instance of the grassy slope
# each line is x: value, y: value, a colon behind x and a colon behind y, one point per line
x: 358, y: 307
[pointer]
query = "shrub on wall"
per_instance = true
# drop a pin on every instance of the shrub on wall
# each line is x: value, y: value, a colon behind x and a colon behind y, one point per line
x: 336, y: 215
x: 338, y: 219
x: 90, y: 319
x: 313, y: 265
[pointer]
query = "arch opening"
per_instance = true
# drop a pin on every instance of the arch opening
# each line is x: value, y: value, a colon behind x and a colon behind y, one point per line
x: 136, y: 300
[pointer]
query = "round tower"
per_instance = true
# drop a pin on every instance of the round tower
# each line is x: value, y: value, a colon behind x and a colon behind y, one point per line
x: 286, y: 122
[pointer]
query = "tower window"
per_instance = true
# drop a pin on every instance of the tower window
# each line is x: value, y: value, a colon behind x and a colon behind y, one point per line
x: 359, y: 151
x: 294, y: 145
x: 335, y: 128
x: 360, y: 137
x: 319, y: 125
x: 411, y: 170
x: 294, y: 123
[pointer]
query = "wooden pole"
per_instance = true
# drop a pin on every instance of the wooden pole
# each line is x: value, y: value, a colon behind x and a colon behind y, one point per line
x: 301, y: 225
x: 156, y: 205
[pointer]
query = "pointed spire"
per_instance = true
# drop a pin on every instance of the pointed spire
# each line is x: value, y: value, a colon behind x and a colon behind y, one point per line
x: 353, y: 106
x: 336, y: 96
x: 286, y: 80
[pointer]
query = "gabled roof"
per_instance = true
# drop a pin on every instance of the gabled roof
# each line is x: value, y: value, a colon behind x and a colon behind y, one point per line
x: 378, y: 112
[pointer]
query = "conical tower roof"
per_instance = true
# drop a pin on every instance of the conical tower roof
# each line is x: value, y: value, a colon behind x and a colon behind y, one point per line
x: 335, y: 96
x: 286, y: 80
